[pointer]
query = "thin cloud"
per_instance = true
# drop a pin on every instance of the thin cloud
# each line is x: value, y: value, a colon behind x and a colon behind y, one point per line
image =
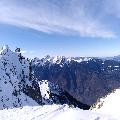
x: 24, y: 51
x: 112, y: 7
x: 27, y: 52
x: 70, y: 17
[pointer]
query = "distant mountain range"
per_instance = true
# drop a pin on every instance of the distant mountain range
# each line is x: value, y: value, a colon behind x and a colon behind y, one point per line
x: 85, y: 78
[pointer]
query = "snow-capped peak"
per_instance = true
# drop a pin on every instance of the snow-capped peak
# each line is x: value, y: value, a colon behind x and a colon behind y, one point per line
x: 61, y: 60
x: 5, y: 49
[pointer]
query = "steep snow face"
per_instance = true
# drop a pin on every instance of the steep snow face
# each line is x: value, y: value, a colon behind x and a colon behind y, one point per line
x: 44, y: 89
x: 14, y: 74
x: 48, y: 89
x: 109, y: 104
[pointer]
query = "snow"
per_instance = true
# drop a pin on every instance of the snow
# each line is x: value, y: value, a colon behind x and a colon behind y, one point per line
x: 109, y: 105
x: 4, y: 49
x: 44, y: 89
x: 116, y: 66
x: 14, y: 72
x: 56, y: 60
x: 61, y: 60
x: 50, y: 112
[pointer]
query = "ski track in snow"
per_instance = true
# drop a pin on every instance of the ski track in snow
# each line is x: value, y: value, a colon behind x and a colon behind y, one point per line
x: 51, y: 112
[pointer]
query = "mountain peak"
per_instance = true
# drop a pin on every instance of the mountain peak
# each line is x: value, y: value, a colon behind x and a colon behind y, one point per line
x: 5, y: 49
x: 14, y: 74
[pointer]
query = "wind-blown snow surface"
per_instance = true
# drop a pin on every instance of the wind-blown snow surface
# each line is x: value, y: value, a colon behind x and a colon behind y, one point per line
x: 50, y: 112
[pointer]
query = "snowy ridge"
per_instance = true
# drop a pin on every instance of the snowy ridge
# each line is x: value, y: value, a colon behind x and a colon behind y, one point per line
x: 59, y: 60
x: 14, y: 75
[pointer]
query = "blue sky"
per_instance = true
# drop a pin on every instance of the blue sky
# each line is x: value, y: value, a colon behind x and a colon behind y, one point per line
x: 61, y: 27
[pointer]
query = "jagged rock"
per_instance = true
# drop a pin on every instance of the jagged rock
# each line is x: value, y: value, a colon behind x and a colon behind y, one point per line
x: 17, y: 50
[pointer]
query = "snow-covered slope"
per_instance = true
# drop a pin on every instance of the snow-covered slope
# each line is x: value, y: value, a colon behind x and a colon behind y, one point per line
x: 109, y: 105
x: 14, y: 74
x: 51, y: 112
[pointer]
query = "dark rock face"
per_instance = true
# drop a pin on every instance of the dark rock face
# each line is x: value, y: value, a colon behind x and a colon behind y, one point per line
x: 56, y: 95
x: 86, y: 81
